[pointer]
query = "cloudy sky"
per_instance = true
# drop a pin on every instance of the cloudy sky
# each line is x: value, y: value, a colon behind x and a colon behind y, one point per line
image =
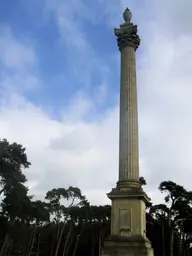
x: 59, y: 91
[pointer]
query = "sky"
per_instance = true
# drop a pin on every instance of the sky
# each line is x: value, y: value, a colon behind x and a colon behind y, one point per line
x: 59, y: 91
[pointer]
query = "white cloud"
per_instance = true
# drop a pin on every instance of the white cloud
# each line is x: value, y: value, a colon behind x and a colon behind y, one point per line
x: 63, y: 153
x: 102, y: 91
x: 19, y: 63
x: 80, y: 107
x: 71, y: 18
x: 13, y: 54
x: 165, y: 100
x: 80, y: 152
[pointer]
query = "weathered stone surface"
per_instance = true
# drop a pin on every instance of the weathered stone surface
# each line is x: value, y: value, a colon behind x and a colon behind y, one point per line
x: 127, y: 33
x: 128, y: 134
x: 128, y: 214
x: 129, y: 193
x: 120, y: 246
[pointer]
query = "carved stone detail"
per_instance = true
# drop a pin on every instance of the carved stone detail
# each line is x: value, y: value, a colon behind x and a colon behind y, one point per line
x: 127, y: 33
x: 125, y: 220
x: 128, y: 220
x: 125, y: 39
x: 128, y: 41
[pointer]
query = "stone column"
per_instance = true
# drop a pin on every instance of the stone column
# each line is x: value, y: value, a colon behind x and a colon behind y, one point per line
x: 128, y: 223
x: 128, y: 42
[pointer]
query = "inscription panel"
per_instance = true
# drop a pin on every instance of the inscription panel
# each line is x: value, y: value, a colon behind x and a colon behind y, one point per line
x: 125, y: 219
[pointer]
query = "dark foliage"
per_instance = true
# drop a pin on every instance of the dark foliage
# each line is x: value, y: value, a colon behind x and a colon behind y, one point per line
x: 65, y: 224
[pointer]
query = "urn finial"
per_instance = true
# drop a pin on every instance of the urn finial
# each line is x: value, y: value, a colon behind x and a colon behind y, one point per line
x: 127, y: 15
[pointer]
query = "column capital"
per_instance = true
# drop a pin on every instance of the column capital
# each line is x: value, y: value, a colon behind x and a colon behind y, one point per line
x: 127, y: 33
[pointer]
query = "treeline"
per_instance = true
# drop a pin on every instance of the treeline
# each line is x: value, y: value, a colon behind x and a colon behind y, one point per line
x: 65, y: 224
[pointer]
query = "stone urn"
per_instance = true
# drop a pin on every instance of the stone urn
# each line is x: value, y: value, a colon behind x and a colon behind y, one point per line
x: 127, y: 15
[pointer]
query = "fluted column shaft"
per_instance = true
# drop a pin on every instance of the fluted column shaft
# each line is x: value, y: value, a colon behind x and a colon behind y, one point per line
x: 128, y: 136
x: 128, y: 42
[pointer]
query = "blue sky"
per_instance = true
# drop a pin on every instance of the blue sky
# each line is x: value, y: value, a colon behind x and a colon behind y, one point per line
x: 59, y: 88
x: 75, y: 49
x: 69, y: 59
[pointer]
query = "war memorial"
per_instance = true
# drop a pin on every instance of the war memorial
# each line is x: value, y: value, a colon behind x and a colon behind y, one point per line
x: 129, y: 201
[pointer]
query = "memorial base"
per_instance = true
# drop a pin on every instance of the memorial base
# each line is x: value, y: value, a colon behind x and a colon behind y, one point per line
x: 127, y: 246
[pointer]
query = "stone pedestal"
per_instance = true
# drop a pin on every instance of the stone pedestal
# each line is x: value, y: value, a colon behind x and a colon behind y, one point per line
x: 128, y: 224
x: 123, y: 246
x: 128, y: 213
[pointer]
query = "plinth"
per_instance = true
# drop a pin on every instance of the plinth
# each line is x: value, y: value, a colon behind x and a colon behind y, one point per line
x: 129, y: 201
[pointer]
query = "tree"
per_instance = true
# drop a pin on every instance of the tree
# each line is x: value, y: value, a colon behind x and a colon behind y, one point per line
x: 160, y: 213
x: 40, y: 212
x: 67, y: 225
x: 73, y: 197
x: 17, y: 203
x: 177, y: 200
x: 12, y: 160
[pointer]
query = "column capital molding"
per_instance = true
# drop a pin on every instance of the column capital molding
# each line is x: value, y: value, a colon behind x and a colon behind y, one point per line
x: 127, y: 33
x: 127, y: 36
